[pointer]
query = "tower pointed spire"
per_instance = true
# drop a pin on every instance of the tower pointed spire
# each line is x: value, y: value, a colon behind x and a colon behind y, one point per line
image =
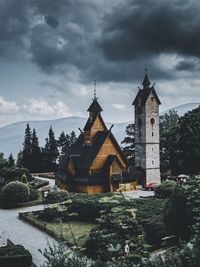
x: 146, y: 81
x: 95, y: 107
x: 95, y: 90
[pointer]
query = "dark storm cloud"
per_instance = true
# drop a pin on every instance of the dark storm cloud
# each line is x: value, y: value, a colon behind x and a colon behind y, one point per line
x: 103, y: 40
x: 14, y: 27
x: 187, y: 65
x: 142, y: 28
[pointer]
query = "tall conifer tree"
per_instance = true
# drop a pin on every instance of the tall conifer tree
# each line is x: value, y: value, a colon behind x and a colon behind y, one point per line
x: 11, y: 161
x: 35, y: 153
x: 50, y: 152
x: 26, y: 152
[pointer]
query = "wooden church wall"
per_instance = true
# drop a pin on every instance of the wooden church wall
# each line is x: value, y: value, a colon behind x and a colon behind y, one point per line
x: 97, y: 126
x: 107, y: 149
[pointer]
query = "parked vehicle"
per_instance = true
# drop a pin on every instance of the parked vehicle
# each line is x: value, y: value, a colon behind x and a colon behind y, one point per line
x: 150, y: 186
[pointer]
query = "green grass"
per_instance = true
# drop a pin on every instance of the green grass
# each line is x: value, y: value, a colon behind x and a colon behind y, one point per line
x: 80, y: 230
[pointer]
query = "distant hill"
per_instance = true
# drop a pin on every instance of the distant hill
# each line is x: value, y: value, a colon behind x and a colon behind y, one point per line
x: 182, y: 109
x: 11, y: 136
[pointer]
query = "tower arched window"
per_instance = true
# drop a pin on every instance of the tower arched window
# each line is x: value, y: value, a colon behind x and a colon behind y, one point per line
x: 152, y: 120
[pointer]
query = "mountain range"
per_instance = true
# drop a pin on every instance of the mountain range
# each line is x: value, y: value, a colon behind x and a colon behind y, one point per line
x: 11, y: 136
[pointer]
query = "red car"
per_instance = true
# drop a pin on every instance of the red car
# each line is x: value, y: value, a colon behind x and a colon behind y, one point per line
x: 150, y: 186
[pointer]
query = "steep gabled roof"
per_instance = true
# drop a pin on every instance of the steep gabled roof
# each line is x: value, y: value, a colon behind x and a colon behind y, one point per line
x: 146, y: 81
x: 95, y: 107
x: 90, y: 122
x: 83, y: 155
x: 143, y: 94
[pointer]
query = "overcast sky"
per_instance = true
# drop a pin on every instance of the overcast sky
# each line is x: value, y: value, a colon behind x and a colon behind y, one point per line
x: 52, y: 51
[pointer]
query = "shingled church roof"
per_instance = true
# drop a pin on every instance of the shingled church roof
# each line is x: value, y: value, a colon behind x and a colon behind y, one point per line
x: 83, y: 155
x: 144, y: 93
x: 95, y: 107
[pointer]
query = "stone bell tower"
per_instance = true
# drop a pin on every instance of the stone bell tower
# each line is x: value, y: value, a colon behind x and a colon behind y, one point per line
x: 147, y: 148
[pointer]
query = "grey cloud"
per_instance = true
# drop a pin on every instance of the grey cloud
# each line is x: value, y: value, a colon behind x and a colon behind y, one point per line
x: 103, y: 40
x: 188, y: 65
x: 14, y: 27
x: 140, y: 28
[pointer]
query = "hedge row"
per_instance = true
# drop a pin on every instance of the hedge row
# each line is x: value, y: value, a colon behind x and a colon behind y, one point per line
x: 15, y: 256
x: 89, y: 207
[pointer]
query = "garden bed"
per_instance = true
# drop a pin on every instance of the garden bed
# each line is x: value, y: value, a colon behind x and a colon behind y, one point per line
x: 68, y: 230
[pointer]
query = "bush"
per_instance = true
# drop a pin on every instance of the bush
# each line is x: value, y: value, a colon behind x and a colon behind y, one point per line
x: 178, y: 215
x: 165, y: 190
x: 56, y: 197
x: 34, y: 194
x: 51, y: 214
x: 15, y: 256
x: 24, y: 179
x: 14, y: 173
x: 15, y: 192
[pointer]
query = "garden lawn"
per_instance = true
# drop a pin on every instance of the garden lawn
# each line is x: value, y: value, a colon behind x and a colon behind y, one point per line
x: 80, y: 230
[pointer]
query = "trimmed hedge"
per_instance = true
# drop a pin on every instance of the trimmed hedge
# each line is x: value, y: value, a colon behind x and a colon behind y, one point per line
x: 89, y: 207
x: 15, y: 256
x: 14, y: 173
x: 166, y: 189
x: 15, y: 192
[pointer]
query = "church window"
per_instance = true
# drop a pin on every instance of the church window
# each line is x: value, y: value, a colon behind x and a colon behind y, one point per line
x: 152, y: 98
x: 152, y: 149
x: 152, y: 133
x: 152, y: 162
x: 152, y: 120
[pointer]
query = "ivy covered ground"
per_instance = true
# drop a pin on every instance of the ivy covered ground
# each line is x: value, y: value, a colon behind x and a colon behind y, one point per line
x: 92, y: 221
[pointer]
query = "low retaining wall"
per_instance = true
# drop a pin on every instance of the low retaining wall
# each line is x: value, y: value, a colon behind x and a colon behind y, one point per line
x: 23, y: 216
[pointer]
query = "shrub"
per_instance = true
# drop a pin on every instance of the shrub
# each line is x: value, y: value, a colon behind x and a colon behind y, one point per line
x: 165, y: 190
x: 15, y: 255
x: 15, y: 192
x: 14, y: 173
x: 24, y: 179
x: 51, y: 214
x: 178, y: 215
x: 56, y: 196
x: 34, y: 194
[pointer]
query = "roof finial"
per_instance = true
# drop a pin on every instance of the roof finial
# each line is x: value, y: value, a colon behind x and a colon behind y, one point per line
x: 95, y: 90
x: 146, y: 81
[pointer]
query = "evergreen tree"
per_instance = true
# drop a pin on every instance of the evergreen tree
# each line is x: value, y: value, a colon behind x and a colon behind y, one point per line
x: 19, y: 162
x: 189, y: 143
x: 35, y: 153
x: 26, y: 152
x: 63, y: 144
x: 129, y: 143
x: 50, y: 152
x: 72, y: 138
x: 11, y: 161
x: 3, y: 161
x: 169, y: 142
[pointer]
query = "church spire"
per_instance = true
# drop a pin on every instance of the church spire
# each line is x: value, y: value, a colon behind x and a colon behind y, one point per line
x: 146, y: 81
x: 95, y: 89
x: 95, y: 107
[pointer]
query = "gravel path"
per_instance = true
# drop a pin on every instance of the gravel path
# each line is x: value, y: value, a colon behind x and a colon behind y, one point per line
x: 23, y: 233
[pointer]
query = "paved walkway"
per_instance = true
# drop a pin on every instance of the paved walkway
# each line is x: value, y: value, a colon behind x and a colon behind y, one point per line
x: 30, y: 237
x: 23, y: 233
x: 139, y: 193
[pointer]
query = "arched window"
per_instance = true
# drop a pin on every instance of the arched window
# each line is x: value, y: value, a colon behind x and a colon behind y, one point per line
x: 152, y: 120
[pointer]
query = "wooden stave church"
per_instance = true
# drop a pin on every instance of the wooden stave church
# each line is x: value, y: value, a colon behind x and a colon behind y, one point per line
x: 95, y: 163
